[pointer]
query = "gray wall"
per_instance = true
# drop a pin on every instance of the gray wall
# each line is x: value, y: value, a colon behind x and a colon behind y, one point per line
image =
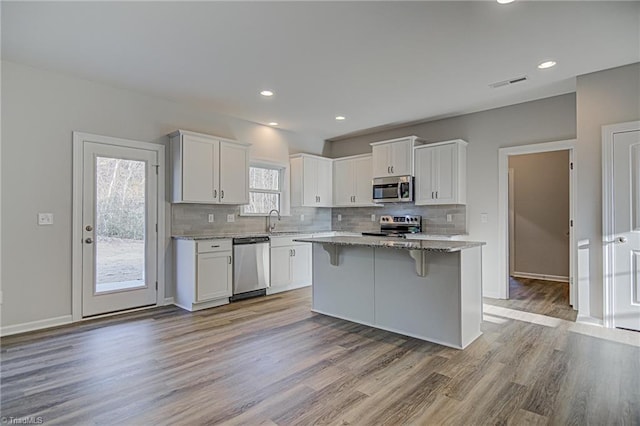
x: 541, y: 213
x: 40, y: 110
x: 605, y: 97
x: 545, y: 120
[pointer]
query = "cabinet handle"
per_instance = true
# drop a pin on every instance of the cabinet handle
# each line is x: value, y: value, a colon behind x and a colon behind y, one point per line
x: 214, y: 246
x: 290, y: 252
x: 294, y: 252
x: 391, y: 169
x: 432, y: 197
x: 215, y: 193
x: 436, y: 194
x: 229, y: 259
x: 318, y: 198
x: 221, y: 194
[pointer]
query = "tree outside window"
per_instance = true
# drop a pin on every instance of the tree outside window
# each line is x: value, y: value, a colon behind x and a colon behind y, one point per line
x: 265, y: 190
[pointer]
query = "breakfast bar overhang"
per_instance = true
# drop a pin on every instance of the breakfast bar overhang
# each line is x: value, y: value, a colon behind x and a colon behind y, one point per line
x: 430, y: 290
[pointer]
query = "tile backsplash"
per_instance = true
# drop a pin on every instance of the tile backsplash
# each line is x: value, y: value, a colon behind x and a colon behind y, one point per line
x: 434, y: 218
x: 192, y: 219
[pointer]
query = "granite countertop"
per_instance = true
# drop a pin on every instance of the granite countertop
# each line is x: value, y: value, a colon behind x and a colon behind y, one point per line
x: 244, y: 234
x: 446, y: 246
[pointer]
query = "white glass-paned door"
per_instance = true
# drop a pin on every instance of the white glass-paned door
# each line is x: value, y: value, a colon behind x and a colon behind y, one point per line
x: 119, y: 228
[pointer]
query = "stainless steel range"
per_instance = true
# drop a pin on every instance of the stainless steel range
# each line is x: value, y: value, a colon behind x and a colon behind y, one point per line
x: 397, y: 226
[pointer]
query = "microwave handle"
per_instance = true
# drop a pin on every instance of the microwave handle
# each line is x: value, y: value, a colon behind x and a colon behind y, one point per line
x: 399, y: 191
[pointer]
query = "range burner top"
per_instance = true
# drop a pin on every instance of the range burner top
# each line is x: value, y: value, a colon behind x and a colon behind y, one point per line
x: 397, y: 226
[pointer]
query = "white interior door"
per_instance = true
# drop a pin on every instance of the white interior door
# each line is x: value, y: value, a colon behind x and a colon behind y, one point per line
x: 626, y: 230
x: 119, y: 228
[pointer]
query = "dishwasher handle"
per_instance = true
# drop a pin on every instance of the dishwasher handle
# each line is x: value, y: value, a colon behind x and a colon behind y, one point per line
x: 250, y: 240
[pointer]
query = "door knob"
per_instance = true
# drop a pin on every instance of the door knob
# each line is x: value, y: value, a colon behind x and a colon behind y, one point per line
x: 88, y: 241
x: 620, y: 240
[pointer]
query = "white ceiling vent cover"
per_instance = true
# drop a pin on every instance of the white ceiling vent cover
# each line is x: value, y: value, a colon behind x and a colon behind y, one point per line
x: 509, y: 82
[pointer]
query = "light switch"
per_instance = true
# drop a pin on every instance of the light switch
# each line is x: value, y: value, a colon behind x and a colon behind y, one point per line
x: 301, y: 218
x: 373, y: 218
x: 339, y: 218
x: 449, y: 218
x: 210, y: 217
x: 484, y: 217
x: 231, y: 218
x: 45, y: 218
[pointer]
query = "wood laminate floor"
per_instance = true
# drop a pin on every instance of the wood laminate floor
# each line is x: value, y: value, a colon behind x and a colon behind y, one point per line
x: 549, y: 298
x: 271, y: 361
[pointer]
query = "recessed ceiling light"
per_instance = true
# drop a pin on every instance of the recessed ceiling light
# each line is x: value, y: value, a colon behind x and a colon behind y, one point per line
x: 505, y: 1
x: 266, y: 93
x: 340, y: 117
x: 273, y: 123
x: 546, y: 64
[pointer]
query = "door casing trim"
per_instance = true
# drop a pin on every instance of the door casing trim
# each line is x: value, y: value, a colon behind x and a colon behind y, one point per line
x: 503, y: 209
x: 608, y: 133
x: 76, y: 230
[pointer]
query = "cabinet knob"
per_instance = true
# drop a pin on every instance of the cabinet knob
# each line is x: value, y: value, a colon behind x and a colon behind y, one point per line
x: 89, y: 228
x: 88, y: 240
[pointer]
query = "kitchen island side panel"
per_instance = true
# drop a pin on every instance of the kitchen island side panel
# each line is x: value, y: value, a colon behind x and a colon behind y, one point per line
x: 471, y: 294
x: 424, y: 307
x: 346, y: 290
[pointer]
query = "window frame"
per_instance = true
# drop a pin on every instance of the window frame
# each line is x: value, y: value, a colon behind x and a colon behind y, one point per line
x: 282, y: 171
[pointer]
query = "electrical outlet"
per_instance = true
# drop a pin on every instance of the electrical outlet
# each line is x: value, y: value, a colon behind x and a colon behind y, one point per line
x: 339, y: 218
x: 231, y: 218
x: 484, y: 217
x: 45, y: 218
x: 210, y: 217
x: 301, y: 218
x: 449, y: 218
x: 373, y: 218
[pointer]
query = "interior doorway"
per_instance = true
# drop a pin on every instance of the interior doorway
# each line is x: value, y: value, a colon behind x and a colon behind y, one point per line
x: 526, y: 270
x: 539, y: 230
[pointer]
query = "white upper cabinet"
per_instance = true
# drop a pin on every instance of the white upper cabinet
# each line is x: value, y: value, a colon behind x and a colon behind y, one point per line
x: 311, y: 181
x: 210, y: 170
x: 441, y: 173
x: 234, y: 173
x: 352, y: 181
x: 394, y: 157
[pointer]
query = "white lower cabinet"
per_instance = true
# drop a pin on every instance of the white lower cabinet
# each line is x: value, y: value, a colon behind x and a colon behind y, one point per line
x: 203, y: 273
x: 290, y: 264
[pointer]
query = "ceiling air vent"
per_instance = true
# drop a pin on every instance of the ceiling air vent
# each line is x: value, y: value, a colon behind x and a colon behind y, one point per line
x: 509, y: 82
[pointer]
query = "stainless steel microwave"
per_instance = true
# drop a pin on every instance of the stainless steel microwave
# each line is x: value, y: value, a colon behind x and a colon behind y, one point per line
x: 397, y: 189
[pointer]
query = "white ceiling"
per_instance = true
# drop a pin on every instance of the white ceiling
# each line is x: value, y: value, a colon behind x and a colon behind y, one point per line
x: 377, y: 63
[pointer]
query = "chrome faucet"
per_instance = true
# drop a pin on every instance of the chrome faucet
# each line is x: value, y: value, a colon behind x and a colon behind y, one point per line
x: 272, y: 226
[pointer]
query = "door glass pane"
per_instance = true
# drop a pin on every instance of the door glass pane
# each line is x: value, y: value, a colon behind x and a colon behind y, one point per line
x: 120, y: 224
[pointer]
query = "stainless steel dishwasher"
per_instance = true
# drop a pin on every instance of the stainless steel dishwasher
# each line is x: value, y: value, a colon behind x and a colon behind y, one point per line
x: 250, y: 267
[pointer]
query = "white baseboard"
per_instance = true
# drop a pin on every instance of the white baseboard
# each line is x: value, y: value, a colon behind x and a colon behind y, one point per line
x: 35, y: 325
x: 589, y: 320
x: 557, y: 278
x: 280, y: 289
x: 491, y: 295
x: 169, y: 301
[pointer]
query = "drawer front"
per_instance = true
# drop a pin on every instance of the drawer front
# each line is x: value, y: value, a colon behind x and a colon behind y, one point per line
x: 288, y: 240
x: 208, y: 246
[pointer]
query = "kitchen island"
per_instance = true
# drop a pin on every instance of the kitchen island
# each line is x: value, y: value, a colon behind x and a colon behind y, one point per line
x: 431, y: 290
